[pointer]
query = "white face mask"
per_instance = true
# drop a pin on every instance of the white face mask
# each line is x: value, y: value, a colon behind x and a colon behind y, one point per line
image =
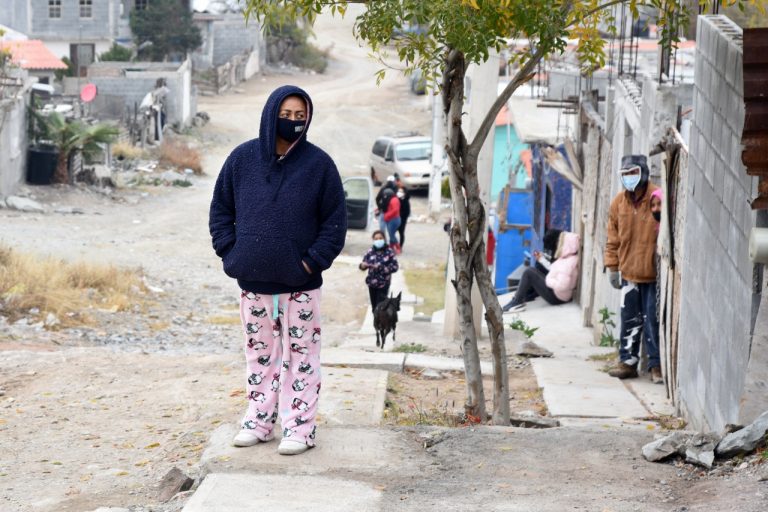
x: 401, y: 195
x: 631, y: 181
x: 378, y: 243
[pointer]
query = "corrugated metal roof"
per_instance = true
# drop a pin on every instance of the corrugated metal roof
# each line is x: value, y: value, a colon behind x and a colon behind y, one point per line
x: 32, y: 54
x: 755, y: 135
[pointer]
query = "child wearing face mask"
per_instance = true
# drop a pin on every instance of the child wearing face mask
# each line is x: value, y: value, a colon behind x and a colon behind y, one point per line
x: 656, y: 197
x: 380, y: 262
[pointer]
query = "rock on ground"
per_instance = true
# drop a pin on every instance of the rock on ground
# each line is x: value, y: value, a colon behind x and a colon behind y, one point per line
x: 530, y: 349
x: 660, y: 449
x: 700, y: 449
x: 173, y: 482
x: 744, y: 440
x: 24, y: 204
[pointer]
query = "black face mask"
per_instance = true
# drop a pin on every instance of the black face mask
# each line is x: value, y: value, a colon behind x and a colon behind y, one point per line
x: 290, y: 130
x: 657, y: 216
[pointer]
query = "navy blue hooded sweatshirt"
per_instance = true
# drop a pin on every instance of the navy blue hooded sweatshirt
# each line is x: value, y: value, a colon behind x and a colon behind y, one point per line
x: 270, y: 213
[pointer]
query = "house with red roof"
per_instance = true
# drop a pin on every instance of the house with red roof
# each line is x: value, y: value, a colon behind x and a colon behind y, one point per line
x: 34, y: 57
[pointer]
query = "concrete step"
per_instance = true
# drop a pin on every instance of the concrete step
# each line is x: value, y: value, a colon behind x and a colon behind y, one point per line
x: 355, y: 450
x: 304, y: 493
x: 574, y: 386
x: 352, y: 358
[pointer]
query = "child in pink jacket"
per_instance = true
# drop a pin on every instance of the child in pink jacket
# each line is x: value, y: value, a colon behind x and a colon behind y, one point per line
x: 556, y: 286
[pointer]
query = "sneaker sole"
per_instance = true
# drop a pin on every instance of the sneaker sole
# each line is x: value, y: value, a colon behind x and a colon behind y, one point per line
x: 293, y: 451
x: 254, y: 442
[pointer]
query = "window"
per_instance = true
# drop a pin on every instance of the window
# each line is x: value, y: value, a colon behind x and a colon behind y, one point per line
x: 414, y: 151
x: 54, y: 8
x: 141, y: 4
x: 86, y: 8
x: 379, y: 148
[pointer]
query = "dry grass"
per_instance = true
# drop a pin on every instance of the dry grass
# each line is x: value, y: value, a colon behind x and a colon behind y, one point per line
x: 223, y: 320
x: 609, y: 356
x: 405, y: 410
x: 46, y: 285
x: 127, y: 151
x: 429, y: 284
x: 176, y: 153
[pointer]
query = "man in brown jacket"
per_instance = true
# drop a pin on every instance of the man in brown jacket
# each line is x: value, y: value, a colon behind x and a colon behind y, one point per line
x: 630, y: 257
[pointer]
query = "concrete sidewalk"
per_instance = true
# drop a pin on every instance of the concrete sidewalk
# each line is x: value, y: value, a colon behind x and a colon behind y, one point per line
x: 354, y: 455
x: 576, y: 389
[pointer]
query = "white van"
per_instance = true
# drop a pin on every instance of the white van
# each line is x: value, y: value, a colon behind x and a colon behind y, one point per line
x: 407, y: 154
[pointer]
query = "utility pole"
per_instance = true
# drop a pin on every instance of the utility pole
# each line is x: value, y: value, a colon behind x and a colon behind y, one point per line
x: 438, y: 155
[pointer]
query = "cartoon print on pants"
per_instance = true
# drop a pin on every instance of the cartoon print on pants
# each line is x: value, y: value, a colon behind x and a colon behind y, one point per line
x: 296, y: 332
x: 300, y: 297
x: 258, y: 312
x: 256, y: 345
x: 283, y: 370
x: 299, y: 404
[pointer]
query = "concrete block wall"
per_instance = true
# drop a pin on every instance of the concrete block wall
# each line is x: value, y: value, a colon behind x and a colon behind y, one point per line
x: 231, y: 36
x: 132, y: 86
x: 13, y: 141
x: 70, y: 26
x: 15, y: 14
x: 716, y: 289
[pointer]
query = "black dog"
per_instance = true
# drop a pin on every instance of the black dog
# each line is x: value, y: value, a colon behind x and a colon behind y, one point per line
x: 385, y: 319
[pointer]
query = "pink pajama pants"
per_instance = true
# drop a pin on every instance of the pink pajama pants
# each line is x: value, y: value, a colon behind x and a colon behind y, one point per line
x: 282, y: 354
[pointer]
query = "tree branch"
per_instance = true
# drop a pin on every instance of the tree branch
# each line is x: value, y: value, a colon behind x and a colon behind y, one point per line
x: 520, y: 77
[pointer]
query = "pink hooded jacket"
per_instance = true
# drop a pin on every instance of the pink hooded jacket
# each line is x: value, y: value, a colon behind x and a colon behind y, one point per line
x: 564, y: 272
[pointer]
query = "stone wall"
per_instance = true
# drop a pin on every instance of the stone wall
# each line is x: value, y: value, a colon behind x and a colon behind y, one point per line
x: 717, y: 281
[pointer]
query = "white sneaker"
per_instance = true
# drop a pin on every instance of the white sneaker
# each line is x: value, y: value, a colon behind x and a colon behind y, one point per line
x: 246, y: 438
x: 289, y: 447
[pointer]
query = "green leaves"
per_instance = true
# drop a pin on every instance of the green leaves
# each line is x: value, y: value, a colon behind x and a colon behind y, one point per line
x: 424, y: 30
x: 153, y: 25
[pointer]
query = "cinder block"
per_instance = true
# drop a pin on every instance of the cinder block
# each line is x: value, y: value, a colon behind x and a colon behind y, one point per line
x: 737, y: 167
x: 721, y: 45
x: 709, y: 166
x: 739, y: 111
x: 719, y: 176
x: 713, y: 213
x: 735, y: 242
x: 724, y: 138
x: 723, y: 232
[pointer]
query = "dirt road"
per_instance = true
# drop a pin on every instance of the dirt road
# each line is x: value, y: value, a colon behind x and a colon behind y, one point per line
x: 94, y: 416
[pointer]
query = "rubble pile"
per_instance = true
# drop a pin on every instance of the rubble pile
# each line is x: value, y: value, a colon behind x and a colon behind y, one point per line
x: 703, y: 449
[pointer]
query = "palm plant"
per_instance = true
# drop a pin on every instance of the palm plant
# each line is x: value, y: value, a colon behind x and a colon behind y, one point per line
x: 69, y: 137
